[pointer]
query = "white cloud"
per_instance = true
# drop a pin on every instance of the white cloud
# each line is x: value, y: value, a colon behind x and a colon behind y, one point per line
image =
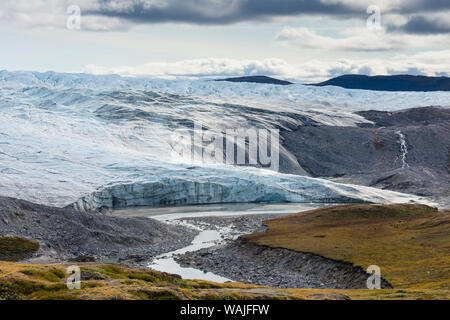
x: 52, y: 14
x: 196, y: 68
x: 430, y: 63
x: 357, y: 39
x: 123, y: 14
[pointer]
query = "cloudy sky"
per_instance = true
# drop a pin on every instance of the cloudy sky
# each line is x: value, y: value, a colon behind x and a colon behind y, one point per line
x: 300, y: 40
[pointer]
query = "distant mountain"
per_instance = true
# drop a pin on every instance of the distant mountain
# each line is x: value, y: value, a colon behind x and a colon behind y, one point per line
x: 258, y: 79
x: 390, y: 83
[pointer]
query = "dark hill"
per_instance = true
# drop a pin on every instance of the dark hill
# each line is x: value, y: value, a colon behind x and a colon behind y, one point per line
x: 390, y: 83
x: 257, y: 79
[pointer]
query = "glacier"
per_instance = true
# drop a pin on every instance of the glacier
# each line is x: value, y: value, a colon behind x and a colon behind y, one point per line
x: 192, y: 186
x: 95, y: 141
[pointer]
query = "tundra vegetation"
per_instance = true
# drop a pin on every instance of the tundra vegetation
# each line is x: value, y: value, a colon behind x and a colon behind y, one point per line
x: 410, y: 243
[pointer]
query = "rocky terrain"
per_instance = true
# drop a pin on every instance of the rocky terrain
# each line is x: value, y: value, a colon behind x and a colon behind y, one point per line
x: 332, y: 247
x: 406, y: 151
x: 238, y: 224
x: 66, y: 234
x: 246, y: 262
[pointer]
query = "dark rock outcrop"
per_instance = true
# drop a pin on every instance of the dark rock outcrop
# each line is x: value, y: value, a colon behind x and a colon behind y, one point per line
x: 406, y: 151
x: 67, y: 234
x: 389, y: 83
x: 276, y: 267
x: 258, y: 79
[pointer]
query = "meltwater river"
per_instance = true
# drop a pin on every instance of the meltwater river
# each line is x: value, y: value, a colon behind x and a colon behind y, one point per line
x: 207, y: 237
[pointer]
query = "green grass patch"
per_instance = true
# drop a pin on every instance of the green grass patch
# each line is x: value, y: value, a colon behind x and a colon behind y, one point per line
x: 85, y: 285
x: 155, y: 295
x: 149, y: 276
x: 53, y: 275
x: 44, y: 295
x: 16, y: 248
x: 21, y: 289
x: 112, y: 272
